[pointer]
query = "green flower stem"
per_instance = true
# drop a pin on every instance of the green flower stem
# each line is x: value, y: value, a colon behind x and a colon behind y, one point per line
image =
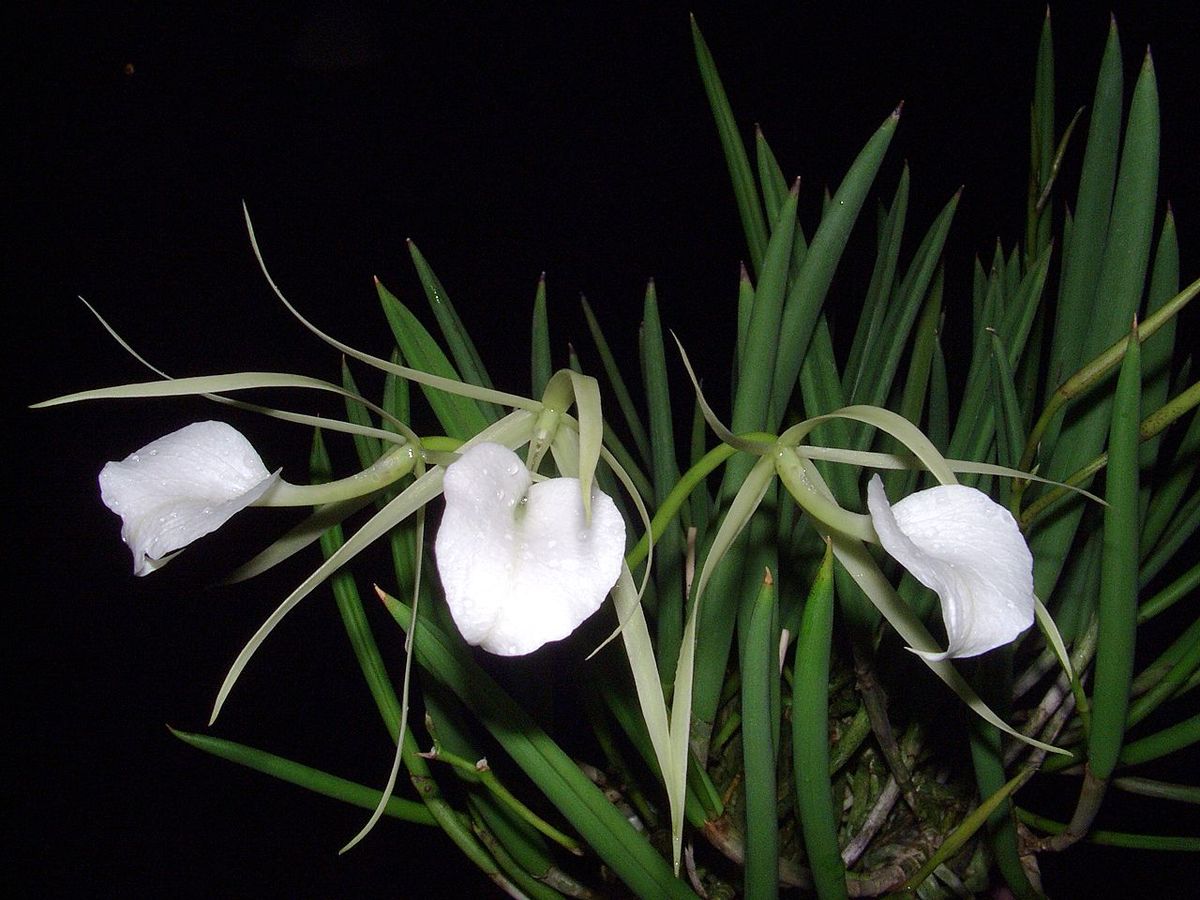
x: 388, y: 469
x: 1149, y: 428
x: 307, y: 777
x: 793, y: 471
x: 366, y: 650
x: 688, y: 482
x: 480, y: 772
x: 1092, y: 373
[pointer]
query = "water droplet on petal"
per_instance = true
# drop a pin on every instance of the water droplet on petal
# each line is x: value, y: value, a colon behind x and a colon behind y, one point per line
x: 514, y: 468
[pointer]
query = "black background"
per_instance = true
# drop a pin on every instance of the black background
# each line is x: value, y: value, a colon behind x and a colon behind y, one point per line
x: 504, y: 142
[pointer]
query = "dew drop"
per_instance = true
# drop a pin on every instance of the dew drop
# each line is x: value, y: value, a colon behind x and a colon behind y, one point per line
x: 153, y: 452
x: 514, y: 468
x: 135, y: 458
x: 583, y: 535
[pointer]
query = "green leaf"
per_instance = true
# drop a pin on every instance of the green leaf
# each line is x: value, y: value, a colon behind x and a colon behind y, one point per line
x: 806, y: 293
x: 466, y: 357
x: 624, y: 399
x: 668, y: 576
x: 810, y: 736
x: 310, y: 779
x: 879, y: 291
x: 540, y: 363
x: 760, y: 665
x: 1177, y: 737
x: 1083, y: 254
x: 460, y: 416
x: 735, y: 152
x: 1118, y: 574
x: 770, y: 176
x: 368, y: 448
x: 1119, y: 288
x: 598, y: 822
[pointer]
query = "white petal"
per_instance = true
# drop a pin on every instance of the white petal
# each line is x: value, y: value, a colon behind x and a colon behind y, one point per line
x: 181, y: 487
x: 960, y: 543
x: 519, y: 565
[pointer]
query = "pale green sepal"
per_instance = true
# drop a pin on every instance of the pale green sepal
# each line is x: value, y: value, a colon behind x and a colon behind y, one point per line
x: 884, y: 419
x: 723, y: 434
x: 744, y: 503
x: 442, y: 384
x: 640, y: 652
x: 591, y: 433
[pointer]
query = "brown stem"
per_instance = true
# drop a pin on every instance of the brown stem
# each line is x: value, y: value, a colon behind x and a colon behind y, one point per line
x: 1091, y: 793
x: 875, y: 701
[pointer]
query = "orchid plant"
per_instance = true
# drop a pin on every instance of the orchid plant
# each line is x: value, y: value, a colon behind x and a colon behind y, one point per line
x: 738, y: 726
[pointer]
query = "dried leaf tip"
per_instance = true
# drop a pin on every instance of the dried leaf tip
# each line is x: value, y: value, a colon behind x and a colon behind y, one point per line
x: 768, y: 579
x: 899, y: 109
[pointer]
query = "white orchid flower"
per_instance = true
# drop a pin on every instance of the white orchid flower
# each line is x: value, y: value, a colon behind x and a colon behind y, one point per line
x: 960, y: 543
x: 519, y: 563
x: 181, y: 487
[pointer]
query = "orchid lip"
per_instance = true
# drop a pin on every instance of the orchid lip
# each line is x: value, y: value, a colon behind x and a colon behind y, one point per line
x: 519, y: 563
x: 961, y: 544
x: 181, y: 487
